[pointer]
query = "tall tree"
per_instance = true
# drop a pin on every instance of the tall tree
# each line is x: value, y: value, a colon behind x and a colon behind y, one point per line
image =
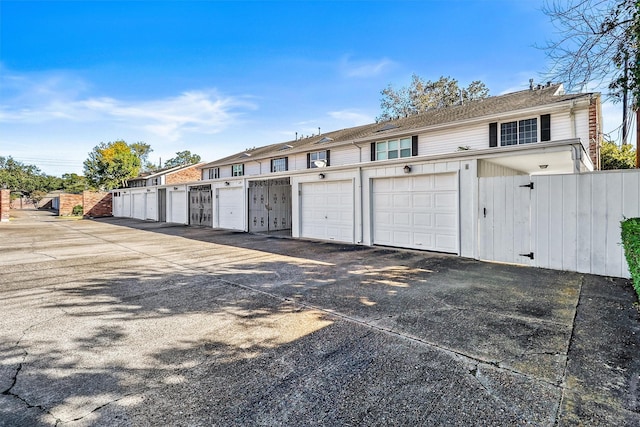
x: 111, y: 164
x: 26, y: 179
x: 423, y: 95
x: 182, y: 158
x: 142, y: 150
x: 597, y: 45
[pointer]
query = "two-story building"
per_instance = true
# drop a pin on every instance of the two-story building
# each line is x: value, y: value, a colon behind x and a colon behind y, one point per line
x: 410, y: 182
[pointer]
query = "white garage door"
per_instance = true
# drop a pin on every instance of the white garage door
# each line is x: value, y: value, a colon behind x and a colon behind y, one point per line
x: 327, y: 210
x: 419, y: 212
x: 231, y: 208
x: 137, y: 202
x: 178, y: 207
x: 152, y: 206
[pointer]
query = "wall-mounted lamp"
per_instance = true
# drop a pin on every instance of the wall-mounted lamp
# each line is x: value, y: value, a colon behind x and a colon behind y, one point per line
x: 407, y: 168
x: 543, y: 166
x: 148, y: 189
x: 321, y: 175
x: 175, y: 188
x: 226, y: 183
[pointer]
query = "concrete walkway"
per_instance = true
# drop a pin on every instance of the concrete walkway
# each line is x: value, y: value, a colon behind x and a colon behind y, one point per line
x: 123, y: 322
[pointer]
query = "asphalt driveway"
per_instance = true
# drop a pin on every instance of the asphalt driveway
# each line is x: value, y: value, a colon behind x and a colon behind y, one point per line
x: 124, y: 322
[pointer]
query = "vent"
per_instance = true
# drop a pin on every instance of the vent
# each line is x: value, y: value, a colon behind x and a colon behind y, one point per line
x: 388, y: 126
x: 324, y: 139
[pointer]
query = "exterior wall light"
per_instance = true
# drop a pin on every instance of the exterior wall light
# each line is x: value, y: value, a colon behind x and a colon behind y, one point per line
x: 407, y: 168
x: 321, y: 175
x: 543, y: 166
x: 226, y: 183
x: 175, y: 188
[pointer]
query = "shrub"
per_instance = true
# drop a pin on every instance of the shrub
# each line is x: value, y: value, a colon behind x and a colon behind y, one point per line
x: 77, y: 210
x: 631, y: 242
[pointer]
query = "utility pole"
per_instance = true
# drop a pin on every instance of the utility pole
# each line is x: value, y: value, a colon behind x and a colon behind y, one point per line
x: 625, y: 101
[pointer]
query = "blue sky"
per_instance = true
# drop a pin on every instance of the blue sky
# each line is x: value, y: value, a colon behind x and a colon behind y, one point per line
x: 216, y: 77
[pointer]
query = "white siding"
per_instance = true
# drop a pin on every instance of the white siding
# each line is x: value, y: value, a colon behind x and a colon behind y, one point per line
x: 448, y: 140
x: 488, y: 169
x: 561, y: 127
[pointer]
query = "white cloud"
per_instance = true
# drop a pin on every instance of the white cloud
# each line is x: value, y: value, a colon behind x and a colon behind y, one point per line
x: 351, y: 117
x: 58, y: 96
x: 364, y: 68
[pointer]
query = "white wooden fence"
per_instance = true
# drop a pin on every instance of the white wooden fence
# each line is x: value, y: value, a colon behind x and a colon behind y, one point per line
x: 563, y: 222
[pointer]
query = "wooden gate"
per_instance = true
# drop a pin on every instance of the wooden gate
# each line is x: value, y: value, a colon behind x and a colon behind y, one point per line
x: 504, y: 220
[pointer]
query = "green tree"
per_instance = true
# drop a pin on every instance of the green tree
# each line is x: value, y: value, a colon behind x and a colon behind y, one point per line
x: 74, y: 183
x: 423, y: 95
x: 613, y: 156
x: 142, y: 150
x: 26, y: 179
x: 111, y: 164
x: 182, y: 158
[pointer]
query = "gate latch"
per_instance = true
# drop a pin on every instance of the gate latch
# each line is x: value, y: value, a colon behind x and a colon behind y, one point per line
x: 530, y: 185
x: 529, y: 255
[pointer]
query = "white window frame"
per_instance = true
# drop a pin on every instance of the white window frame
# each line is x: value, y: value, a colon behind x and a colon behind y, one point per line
x: 315, y: 156
x: 394, y: 149
x: 237, y: 169
x: 522, y: 130
x: 279, y: 164
x: 214, y: 173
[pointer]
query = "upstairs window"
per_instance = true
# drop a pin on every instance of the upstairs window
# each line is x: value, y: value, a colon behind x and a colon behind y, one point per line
x: 237, y: 169
x: 393, y: 149
x: 214, y: 173
x: 318, y: 159
x: 279, y: 165
x: 520, y: 131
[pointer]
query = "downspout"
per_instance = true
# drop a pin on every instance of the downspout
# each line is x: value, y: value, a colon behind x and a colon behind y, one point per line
x: 576, y: 156
x: 361, y: 220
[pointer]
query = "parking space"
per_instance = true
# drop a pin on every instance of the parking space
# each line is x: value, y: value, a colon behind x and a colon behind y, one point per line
x: 126, y: 322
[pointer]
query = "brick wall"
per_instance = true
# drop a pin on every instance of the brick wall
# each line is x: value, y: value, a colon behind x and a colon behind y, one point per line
x: 595, y: 131
x: 96, y: 204
x: 189, y: 174
x: 5, y: 204
x: 67, y: 202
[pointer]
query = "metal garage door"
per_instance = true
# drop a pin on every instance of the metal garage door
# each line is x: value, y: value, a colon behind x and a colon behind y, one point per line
x: 178, y: 207
x: 419, y: 212
x: 327, y: 210
x: 200, y: 206
x: 138, y: 205
x: 152, y: 206
x: 231, y: 208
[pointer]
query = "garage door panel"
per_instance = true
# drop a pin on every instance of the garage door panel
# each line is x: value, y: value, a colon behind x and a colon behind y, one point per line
x: 231, y: 208
x: 327, y: 210
x: 445, y: 182
x: 423, y: 220
x: 445, y: 200
x: 416, y: 214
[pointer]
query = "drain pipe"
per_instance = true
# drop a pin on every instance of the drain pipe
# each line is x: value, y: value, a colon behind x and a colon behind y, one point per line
x: 359, y: 178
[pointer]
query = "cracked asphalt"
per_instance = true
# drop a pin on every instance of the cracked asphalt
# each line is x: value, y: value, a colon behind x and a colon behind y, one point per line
x: 125, y: 322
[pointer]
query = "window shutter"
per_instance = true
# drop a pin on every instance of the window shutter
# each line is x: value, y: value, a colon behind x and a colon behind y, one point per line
x: 493, y: 134
x: 242, y: 169
x: 231, y: 170
x: 271, y: 165
x: 414, y: 145
x: 373, y: 151
x: 327, y: 157
x: 308, y: 160
x: 286, y: 163
x: 545, y: 127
